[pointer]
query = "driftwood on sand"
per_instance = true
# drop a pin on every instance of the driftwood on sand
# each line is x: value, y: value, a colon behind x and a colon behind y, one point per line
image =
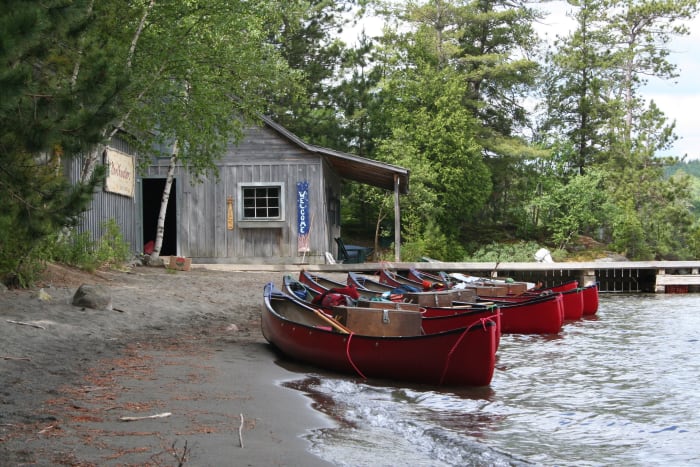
x: 240, y: 431
x: 146, y: 417
x: 22, y: 323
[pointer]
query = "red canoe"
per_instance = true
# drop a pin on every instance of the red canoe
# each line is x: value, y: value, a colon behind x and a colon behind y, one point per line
x: 483, y: 286
x: 318, y: 283
x: 572, y: 294
x: 576, y: 307
x: 563, y: 287
x: 434, y: 319
x: 459, y: 357
x: 541, y: 314
x: 372, y: 285
x: 590, y: 299
x: 538, y: 315
x: 576, y: 302
x: 367, y: 283
x: 573, y: 303
x: 393, y: 279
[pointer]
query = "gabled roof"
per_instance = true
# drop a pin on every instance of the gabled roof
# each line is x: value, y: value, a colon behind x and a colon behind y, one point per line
x: 351, y: 167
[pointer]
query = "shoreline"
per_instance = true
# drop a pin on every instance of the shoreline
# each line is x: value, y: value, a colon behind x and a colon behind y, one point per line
x: 185, y: 347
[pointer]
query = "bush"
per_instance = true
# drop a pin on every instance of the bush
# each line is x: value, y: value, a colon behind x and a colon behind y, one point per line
x: 112, y: 249
x: 520, y: 252
x: 37, y: 203
x: 79, y: 250
x: 430, y: 242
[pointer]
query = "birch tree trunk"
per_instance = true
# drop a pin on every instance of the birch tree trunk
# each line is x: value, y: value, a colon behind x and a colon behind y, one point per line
x: 160, y: 228
x: 381, y: 215
x: 94, y: 154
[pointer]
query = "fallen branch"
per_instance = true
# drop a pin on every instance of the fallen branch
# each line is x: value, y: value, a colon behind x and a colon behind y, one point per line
x: 22, y: 323
x: 183, y: 458
x: 240, y: 431
x: 4, y: 357
x: 47, y: 429
x: 133, y: 419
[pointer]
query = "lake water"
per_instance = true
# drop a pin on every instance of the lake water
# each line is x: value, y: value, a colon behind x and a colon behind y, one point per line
x: 621, y: 388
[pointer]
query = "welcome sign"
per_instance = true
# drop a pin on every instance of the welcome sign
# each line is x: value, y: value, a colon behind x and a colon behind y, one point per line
x: 120, y: 173
x: 303, y: 220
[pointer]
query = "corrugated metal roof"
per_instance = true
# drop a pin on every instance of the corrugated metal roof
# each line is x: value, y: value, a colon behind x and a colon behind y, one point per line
x: 351, y: 167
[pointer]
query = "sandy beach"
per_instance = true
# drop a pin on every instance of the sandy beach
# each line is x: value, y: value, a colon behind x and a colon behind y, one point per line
x: 177, y: 373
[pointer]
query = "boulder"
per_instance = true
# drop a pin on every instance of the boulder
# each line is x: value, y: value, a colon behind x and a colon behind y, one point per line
x: 93, y: 296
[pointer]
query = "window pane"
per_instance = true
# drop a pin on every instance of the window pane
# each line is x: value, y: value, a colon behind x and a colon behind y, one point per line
x: 262, y: 202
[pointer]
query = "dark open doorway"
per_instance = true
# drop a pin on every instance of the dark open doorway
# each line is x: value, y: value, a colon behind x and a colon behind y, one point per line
x: 152, y: 196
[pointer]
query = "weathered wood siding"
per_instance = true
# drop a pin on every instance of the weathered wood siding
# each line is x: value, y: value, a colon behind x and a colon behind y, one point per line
x: 105, y: 205
x: 202, y: 234
x: 263, y: 156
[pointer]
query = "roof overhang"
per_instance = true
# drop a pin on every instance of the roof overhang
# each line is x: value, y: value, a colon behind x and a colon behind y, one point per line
x: 351, y: 167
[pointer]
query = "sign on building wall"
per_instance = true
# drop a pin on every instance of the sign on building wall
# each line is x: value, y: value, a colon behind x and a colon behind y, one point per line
x: 229, y: 213
x: 120, y: 173
x: 303, y: 219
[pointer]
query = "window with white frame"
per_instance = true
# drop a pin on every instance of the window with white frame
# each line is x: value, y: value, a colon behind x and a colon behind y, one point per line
x: 261, y: 202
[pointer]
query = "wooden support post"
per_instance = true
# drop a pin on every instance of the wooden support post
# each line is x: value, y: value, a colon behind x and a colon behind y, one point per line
x: 397, y: 221
x: 659, y: 288
x: 587, y: 277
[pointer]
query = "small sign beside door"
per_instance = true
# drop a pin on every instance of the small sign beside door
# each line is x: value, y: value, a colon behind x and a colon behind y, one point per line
x: 229, y: 213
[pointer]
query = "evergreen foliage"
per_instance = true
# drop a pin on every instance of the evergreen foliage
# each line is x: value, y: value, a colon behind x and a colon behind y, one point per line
x: 35, y: 203
x: 74, y: 73
x: 574, y: 208
x: 443, y: 91
x: 47, y: 113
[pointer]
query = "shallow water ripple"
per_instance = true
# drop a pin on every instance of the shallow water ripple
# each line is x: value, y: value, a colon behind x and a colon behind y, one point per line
x: 621, y: 388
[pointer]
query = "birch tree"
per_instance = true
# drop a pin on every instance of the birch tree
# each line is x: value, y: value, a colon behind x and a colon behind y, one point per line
x: 198, y: 72
x: 164, y: 72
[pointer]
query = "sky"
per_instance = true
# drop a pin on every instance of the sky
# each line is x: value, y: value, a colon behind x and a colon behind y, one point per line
x: 678, y: 99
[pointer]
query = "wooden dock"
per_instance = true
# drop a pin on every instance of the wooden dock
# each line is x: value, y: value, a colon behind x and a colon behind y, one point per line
x: 619, y: 276
x: 678, y: 283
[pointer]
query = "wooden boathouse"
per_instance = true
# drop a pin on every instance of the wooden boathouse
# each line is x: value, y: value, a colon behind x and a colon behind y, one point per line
x: 276, y: 199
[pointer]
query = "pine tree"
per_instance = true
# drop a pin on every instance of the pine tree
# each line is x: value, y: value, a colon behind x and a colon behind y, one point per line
x: 47, y: 113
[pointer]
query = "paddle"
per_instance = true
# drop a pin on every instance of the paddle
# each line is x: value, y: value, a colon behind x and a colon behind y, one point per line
x: 332, y: 321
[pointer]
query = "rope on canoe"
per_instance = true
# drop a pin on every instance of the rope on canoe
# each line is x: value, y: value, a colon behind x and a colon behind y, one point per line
x: 347, y: 354
x: 456, y: 344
